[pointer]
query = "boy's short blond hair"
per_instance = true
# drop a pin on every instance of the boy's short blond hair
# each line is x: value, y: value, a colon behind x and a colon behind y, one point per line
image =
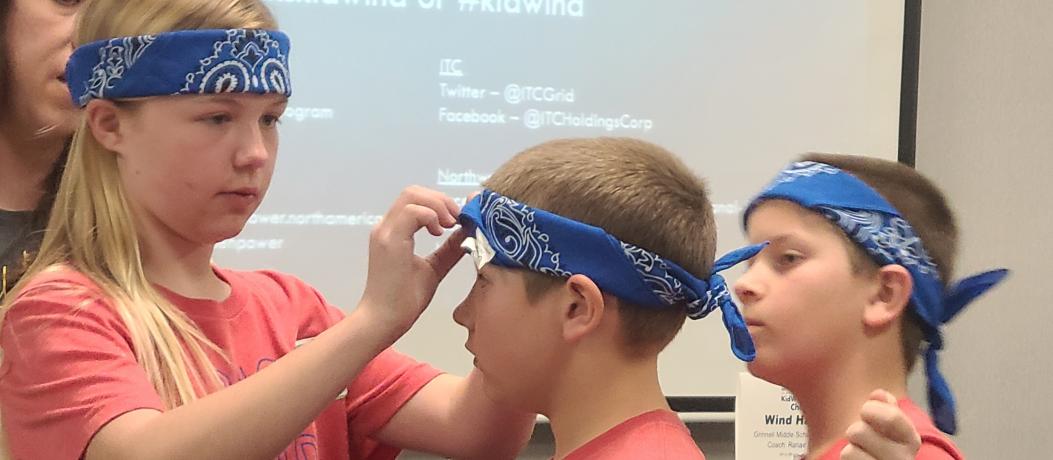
x: 923, y: 205
x: 638, y: 192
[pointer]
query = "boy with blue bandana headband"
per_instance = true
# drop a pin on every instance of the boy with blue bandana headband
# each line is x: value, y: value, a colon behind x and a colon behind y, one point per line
x: 854, y: 280
x: 590, y: 255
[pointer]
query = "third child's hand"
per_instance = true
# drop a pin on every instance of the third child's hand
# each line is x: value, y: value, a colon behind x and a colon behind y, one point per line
x: 883, y: 432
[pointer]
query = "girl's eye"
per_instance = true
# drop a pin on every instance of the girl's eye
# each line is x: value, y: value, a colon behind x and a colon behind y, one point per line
x: 270, y: 120
x: 218, y: 119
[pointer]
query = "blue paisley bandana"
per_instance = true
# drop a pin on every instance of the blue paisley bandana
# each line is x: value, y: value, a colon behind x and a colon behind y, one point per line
x: 874, y: 224
x: 181, y: 62
x: 513, y: 235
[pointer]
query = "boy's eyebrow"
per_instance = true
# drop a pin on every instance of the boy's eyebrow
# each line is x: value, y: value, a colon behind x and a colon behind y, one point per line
x: 781, y: 238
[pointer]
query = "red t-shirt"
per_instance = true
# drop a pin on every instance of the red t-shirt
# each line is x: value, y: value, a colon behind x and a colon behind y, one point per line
x: 934, y: 444
x: 68, y: 366
x: 655, y: 435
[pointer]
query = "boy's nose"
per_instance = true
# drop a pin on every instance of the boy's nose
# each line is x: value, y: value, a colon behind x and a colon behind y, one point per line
x: 746, y: 289
x: 461, y: 313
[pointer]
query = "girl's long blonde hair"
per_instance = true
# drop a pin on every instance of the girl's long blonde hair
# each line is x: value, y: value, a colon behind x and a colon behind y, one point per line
x: 92, y: 229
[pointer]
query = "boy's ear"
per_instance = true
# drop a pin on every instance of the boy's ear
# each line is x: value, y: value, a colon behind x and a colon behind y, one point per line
x: 890, y: 300
x: 583, y: 307
x: 104, y: 122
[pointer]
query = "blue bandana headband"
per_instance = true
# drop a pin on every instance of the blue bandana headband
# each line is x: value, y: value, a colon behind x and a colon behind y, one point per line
x: 873, y: 223
x: 512, y: 235
x: 210, y: 61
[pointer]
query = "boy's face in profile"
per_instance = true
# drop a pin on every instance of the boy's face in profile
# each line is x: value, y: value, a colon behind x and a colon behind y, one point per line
x: 516, y: 343
x: 801, y: 298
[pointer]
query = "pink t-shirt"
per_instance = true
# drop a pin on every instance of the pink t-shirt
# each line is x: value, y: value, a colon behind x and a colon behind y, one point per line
x: 934, y: 444
x: 655, y: 435
x: 68, y: 365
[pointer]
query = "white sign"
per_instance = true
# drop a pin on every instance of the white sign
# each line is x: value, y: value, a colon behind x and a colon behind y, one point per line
x: 768, y: 422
